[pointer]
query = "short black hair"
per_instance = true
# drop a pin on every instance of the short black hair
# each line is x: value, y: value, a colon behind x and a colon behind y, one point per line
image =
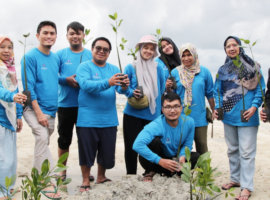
x: 76, y: 26
x: 46, y: 23
x: 171, y: 97
x: 104, y: 39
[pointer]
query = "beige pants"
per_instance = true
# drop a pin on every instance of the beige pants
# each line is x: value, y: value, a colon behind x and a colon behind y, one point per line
x: 42, y: 137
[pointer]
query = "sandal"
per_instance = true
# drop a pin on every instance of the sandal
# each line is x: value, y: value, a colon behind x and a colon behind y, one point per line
x: 63, y: 177
x: 230, y: 184
x: 44, y: 192
x: 85, y: 187
x: 148, y: 177
x: 106, y: 180
x: 91, y: 178
x: 243, y: 196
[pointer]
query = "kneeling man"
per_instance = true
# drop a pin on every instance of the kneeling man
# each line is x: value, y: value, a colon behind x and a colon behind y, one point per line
x: 158, y: 142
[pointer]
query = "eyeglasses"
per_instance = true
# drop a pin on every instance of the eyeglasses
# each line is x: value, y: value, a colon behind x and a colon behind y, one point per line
x: 169, y: 108
x: 105, y: 50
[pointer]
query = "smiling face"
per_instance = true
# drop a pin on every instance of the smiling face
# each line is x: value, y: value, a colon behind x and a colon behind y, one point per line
x: 187, y: 58
x: 167, y: 47
x: 6, y: 50
x: 75, y: 38
x: 148, y: 51
x: 99, y: 56
x: 47, y: 36
x: 232, y: 48
x: 173, y: 114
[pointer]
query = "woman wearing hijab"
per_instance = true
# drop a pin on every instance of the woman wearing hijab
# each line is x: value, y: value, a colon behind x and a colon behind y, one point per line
x: 147, y: 73
x: 194, y: 83
x: 170, y: 55
x: 10, y: 114
x: 240, y: 137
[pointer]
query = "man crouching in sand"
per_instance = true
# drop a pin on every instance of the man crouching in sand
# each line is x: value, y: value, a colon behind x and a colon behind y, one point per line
x: 158, y: 142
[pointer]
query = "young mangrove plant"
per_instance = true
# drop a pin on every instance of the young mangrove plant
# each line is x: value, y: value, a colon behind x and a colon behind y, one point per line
x: 159, y: 38
x: 240, y: 66
x: 26, y: 91
x: 115, y: 29
x: 219, y: 109
x: 85, y: 41
x: 265, y: 110
x: 8, y: 183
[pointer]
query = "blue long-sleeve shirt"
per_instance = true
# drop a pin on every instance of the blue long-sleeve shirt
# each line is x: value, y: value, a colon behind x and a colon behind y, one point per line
x: 7, y: 96
x: 97, y: 99
x: 202, y: 87
x: 164, y: 67
x: 69, y: 62
x: 169, y: 136
x: 42, y: 79
x: 144, y: 113
x: 252, y: 98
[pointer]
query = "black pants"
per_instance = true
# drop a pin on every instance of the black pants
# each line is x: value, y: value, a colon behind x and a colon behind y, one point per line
x: 155, y: 146
x: 67, y: 118
x: 132, y: 126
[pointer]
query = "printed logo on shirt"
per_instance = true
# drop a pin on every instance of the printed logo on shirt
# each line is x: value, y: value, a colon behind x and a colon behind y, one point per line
x: 96, y: 76
x: 68, y: 62
x: 165, y: 67
x: 43, y: 66
x: 168, y: 140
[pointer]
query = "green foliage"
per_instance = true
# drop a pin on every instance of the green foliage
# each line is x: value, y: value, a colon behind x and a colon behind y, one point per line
x: 86, y: 32
x: 115, y: 29
x: 201, y: 178
x: 8, y: 183
x: 32, y: 187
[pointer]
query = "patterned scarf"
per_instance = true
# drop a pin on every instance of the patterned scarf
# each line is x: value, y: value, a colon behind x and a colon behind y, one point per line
x: 187, y: 74
x: 231, y: 77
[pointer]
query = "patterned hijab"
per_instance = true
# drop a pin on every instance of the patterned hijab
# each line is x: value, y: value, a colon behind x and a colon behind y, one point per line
x: 230, y: 75
x: 187, y: 74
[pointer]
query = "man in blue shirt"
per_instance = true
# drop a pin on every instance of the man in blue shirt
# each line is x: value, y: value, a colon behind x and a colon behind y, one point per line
x: 70, y: 59
x: 97, y: 116
x: 42, y: 67
x: 158, y: 142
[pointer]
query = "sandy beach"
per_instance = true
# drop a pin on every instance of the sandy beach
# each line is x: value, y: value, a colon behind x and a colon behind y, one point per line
x: 131, y: 187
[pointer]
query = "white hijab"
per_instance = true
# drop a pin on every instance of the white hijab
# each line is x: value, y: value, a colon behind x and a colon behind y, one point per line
x: 147, y: 77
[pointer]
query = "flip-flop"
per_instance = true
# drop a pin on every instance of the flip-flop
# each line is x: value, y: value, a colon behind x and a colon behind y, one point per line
x: 44, y: 192
x: 85, y: 187
x: 106, y: 180
x: 91, y: 178
x: 243, y: 196
x: 232, y: 185
x: 63, y: 177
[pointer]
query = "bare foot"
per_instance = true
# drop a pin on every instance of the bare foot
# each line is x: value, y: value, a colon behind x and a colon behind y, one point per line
x: 51, y: 188
x: 84, y: 188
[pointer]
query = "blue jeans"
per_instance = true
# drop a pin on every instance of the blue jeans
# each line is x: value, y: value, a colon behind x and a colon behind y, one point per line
x: 242, y: 144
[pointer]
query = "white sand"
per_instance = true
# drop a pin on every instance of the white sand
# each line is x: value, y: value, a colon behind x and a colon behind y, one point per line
x: 130, y: 187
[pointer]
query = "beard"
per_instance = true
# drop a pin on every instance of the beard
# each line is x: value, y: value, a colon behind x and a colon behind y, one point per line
x: 47, y: 46
x: 75, y: 46
x: 100, y: 62
x: 172, y: 120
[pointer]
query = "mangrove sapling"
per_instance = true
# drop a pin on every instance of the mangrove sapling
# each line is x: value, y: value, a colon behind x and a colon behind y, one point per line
x: 240, y: 65
x: 201, y: 178
x: 8, y: 183
x: 159, y: 38
x: 219, y: 109
x: 86, y: 33
x: 265, y: 110
x: 115, y: 29
x: 32, y: 187
x: 26, y: 92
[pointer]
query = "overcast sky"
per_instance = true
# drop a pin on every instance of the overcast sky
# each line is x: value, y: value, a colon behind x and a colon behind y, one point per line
x: 205, y: 23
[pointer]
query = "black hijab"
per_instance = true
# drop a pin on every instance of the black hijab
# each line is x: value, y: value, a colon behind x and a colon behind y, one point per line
x: 173, y: 60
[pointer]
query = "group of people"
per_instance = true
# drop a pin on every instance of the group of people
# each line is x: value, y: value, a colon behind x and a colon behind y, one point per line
x: 80, y: 85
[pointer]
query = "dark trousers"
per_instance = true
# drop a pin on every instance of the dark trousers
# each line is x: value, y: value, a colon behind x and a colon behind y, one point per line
x: 155, y: 146
x: 132, y: 126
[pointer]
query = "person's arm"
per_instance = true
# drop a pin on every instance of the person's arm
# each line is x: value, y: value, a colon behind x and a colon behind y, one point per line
x: 218, y: 86
x: 161, y: 79
x: 209, y: 89
x: 129, y: 91
x: 5, y: 94
x: 41, y: 117
x: 62, y: 80
x: 189, y: 130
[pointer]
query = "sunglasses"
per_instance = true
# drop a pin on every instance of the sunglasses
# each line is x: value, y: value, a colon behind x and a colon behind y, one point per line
x: 104, y: 49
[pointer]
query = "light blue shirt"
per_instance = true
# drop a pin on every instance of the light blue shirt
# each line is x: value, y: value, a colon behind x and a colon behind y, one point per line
x: 252, y: 98
x: 202, y: 87
x: 69, y: 62
x: 164, y: 67
x: 42, y: 79
x: 169, y: 137
x: 7, y: 96
x: 97, y: 99
x: 144, y: 113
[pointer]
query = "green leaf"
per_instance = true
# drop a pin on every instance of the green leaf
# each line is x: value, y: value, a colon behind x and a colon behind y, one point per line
x: 21, y: 42
x: 25, y: 194
x: 242, y: 46
x: 217, y: 174
x: 217, y: 75
x: 67, y: 181
x: 63, y: 158
x: 247, y: 41
x: 7, y: 182
x: 83, y: 41
x: 120, y: 22
x: 60, y: 169
x: 215, y: 188
x: 254, y: 42
x: 232, y: 194
x: 187, y: 153
x: 185, y: 178
x: 226, y: 195
x: 60, y: 165
x: 198, y: 170
x: 12, y: 179
x: 231, y: 189
x: 59, y: 181
x: 235, y: 63
x: 186, y: 172
x: 137, y: 49
x: 87, y: 31
x: 26, y: 35
x: 115, y: 15
x: 158, y: 31
x: 123, y: 40
x: 188, y: 113
x: 114, y: 29
x: 112, y: 17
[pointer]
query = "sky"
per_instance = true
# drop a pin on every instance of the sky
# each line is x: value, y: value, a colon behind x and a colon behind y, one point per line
x: 204, y: 23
